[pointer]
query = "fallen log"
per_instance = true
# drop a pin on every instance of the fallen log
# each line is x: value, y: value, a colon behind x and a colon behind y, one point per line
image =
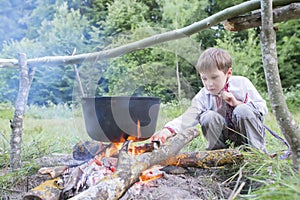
x: 291, y: 11
x: 205, y: 159
x: 129, y: 168
x: 49, y: 190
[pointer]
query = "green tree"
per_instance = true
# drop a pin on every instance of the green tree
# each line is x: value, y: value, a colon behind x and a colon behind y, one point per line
x: 288, y: 42
x: 53, y: 83
x: 12, y: 15
x: 246, y: 55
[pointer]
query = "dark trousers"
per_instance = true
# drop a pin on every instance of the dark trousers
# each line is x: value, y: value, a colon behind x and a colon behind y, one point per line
x: 248, y: 128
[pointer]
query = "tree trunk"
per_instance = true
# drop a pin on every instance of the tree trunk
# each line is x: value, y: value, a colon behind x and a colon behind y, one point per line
x: 177, y: 74
x: 25, y: 80
x: 285, y: 13
x: 279, y: 107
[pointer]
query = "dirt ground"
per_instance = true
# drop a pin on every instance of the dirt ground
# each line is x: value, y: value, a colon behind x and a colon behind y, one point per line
x: 176, y: 183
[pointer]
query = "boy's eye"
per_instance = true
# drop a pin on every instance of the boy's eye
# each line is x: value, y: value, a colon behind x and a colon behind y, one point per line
x: 214, y: 77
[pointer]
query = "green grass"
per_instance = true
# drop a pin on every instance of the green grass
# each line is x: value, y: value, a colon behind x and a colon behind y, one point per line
x: 56, y: 129
x: 43, y: 133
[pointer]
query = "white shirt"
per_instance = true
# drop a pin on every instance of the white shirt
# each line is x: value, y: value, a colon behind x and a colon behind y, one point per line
x: 241, y: 87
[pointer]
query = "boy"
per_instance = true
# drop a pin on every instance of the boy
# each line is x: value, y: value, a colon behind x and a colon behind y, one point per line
x: 227, y: 107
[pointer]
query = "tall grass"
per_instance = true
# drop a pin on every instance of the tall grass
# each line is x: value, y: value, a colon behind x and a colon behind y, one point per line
x: 46, y: 130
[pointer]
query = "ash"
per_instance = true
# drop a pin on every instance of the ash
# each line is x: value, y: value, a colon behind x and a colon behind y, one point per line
x: 181, y: 183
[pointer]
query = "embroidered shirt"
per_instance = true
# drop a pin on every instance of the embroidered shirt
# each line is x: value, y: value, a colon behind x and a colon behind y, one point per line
x: 241, y: 87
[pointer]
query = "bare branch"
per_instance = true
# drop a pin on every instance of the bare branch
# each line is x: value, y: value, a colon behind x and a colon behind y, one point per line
x: 285, y: 13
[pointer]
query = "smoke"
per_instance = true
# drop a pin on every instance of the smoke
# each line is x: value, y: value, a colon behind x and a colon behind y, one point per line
x: 132, y: 75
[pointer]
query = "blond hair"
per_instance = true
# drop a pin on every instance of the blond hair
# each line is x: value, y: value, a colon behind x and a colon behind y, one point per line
x: 214, y: 57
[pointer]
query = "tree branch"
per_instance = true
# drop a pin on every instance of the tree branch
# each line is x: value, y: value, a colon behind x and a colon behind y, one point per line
x: 285, y: 13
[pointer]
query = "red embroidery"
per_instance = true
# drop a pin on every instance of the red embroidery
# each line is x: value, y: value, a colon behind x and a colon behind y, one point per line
x: 246, y: 98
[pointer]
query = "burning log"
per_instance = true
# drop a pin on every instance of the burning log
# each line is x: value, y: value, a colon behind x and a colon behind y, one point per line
x: 130, y: 168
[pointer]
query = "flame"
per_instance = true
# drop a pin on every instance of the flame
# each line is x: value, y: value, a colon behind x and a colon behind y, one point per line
x: 113, y: 150
x: 139, y: 129
x: 151, y: 174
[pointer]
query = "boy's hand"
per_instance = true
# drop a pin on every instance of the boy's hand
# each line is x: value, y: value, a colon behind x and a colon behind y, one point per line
x: 230, y: 99
x: 161, y: 135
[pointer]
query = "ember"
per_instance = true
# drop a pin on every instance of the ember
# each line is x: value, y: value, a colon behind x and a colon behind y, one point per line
x: 151, y: 174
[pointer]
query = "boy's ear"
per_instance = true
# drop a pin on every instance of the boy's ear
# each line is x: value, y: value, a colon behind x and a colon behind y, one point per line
x: 229, y: 72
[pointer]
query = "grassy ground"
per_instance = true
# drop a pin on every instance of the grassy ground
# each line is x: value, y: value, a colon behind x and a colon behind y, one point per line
x: 56, y: 129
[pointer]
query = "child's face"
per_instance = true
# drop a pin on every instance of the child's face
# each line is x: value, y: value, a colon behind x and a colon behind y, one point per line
x: 214, y: 80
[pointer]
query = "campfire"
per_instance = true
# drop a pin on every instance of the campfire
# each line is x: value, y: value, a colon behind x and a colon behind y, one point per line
x: 72, y: 180
x: 119, y: 161
x: 118, y: 167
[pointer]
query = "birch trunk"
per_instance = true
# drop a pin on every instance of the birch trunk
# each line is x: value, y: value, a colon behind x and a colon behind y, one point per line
x: 25, y: 80
x: 287, y: 124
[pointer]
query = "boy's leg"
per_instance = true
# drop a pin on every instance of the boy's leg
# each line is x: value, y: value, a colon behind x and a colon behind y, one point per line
x: 212, y: 124
x: 249, y: 122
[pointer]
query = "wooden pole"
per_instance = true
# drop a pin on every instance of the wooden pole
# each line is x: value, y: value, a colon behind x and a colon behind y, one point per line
x: 25, y: 80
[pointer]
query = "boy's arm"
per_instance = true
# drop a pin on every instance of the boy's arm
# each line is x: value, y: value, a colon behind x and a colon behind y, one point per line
x: 191, y: 116
x: 188, y: 119
x: 254, y: 99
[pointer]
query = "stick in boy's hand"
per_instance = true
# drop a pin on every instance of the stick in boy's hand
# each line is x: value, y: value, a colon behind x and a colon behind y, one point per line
x: 161, y: 136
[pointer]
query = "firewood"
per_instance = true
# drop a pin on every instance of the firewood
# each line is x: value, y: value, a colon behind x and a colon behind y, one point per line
x: 129, y: 168
x: 53, y: 172
x: 48, y: 190
x: 205, y: 159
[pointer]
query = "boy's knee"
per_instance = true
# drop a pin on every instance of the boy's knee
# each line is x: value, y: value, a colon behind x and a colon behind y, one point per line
x: 243, y: 111
x: 210, y: 117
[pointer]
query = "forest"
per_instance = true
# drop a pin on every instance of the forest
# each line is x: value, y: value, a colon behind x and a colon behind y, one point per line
x: 50, y: 28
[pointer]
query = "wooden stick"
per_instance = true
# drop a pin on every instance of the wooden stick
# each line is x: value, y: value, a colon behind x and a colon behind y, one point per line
x: 78, y: 77
x: 49, y: 190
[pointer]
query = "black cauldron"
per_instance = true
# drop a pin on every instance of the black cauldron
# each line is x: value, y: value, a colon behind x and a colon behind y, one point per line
x: 114, y: 119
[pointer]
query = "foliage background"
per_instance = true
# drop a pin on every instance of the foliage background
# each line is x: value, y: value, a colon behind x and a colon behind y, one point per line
x: 57, y: 27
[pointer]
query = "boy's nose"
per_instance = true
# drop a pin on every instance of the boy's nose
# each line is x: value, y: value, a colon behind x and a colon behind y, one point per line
x: 210, y: 83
